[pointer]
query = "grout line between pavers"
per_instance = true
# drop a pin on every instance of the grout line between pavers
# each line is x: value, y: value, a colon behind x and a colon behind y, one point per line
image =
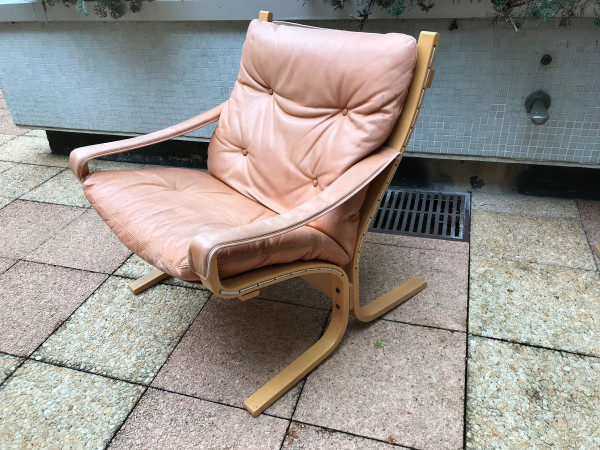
x: 425, y: 249
x: 587, y: 237
x: 303, y: 381
x: 63, y: 168
x: 20, y: 363
x: 159, y: 369
x: 395, y: 444
x: 526, y: 214
x: 522, y: 261
x: 537, y: 346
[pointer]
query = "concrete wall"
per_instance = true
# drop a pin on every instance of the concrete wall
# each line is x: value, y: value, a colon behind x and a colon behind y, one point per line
x: 136, y: 77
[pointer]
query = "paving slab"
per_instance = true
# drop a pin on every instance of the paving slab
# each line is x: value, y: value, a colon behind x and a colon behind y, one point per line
x: 123, y: 335
x: 21, y: 178
x: 549, y: 306
x: 62, y: 189
x: 166, y: 420
x: 590, y: 216
x: 87, y: 243
x: 8, y: 364
x: 4, y: 137
x: 540, y: 240
x: 32, y: 150
x: 35, y: 299
x: 5, y: 263
x: 418, y: 242
x: 36, y: 133
x: 525, y: 204
x: 525, y: 397
x: 135, y: 267
x: 7, y: 126
x: 408, y: 390
x: 307, y: 437
x: 235, y: 347
x: 383, y: 267
x: 43, y: 406
x: 26, y: 225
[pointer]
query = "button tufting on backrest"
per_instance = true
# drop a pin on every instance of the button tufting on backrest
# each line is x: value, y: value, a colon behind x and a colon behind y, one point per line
x: 299, y: 138
x: 245, y: 152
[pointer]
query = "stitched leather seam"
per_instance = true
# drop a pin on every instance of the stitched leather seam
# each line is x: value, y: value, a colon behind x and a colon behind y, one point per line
x: 146, y: 144
x: 220, y: 246
x: 231, y: 261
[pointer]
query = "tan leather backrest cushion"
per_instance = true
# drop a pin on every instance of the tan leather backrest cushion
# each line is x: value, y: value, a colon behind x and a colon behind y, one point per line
x: 308, y: 104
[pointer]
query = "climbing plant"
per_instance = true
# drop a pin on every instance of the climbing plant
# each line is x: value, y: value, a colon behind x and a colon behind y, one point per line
x: 102, y: 8
x: 514, y: 12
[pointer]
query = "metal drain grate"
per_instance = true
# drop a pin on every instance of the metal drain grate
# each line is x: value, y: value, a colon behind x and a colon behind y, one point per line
x: 439, y: 215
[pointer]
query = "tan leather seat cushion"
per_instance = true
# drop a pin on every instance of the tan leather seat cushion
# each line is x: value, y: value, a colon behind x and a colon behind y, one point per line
x: 157, y: 212
x: 308, y: 104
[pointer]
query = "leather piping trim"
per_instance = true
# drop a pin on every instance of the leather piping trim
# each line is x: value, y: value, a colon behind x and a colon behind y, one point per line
x: 334, y: 205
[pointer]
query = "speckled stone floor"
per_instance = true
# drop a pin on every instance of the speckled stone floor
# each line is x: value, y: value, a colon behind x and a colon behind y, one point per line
x: 500, y: 351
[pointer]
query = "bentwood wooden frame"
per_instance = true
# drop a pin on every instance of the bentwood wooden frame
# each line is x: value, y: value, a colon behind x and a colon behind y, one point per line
x: 341, y: 284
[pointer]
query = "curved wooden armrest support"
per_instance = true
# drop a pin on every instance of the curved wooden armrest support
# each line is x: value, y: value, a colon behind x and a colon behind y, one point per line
x: 80, y: 157
x: 204, y: 247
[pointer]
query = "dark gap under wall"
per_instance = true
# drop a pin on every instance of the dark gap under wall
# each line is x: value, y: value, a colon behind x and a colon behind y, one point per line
x: 450, y: 175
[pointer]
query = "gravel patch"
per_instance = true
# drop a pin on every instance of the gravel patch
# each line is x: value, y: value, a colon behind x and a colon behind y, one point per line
x: 135, y: 267
x: 540, y: 240
x: 8, y: 364
x: 21, y: 178
x: 123, y: 335
x: 521, y: 397
x: 43, y: 406
x: 531, y: 303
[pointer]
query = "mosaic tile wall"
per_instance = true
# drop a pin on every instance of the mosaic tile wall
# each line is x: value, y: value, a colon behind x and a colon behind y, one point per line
x: 132, y: 77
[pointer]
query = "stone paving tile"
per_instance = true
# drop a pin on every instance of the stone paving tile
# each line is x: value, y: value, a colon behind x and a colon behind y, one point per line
x: 24, y: 226
x: 383, y: 267
x: 36, y: 133
x: 164, y: 420
x: 521, y: 397
x: 8, y: 364
x: 97, y: 165
x: 306, y: 437
x: 136, y: 267
x: 5, y: 263
x: 123, y: 335
x: 7, y: 127
x: 43, y: 406
x: 590, y: 216
x: 418, y: 242
x: 531, y: 239
x: 409, y: 390
x: 3, y: 136
x: 21, y: 178
x: 64, y: 188
x: 35, y: 299
x: 525, y: 204
x: 32, y: 150
x: 235, y: 347
x: 544, y: 305
x: 87, y: 243
x: 5, y: 165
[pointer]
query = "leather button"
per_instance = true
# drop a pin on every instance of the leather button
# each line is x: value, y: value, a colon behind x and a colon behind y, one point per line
x: 315, y: 182
x: 270, y: 91
x: 245, y: 152
x: 344, y: 111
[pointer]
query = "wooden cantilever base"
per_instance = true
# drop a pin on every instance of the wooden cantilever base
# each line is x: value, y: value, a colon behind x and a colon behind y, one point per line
x: 147, y: 281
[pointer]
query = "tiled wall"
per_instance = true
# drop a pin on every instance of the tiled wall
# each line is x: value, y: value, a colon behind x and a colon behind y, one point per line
x: 139, y: 77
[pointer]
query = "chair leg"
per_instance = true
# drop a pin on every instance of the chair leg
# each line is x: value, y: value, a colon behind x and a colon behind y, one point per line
x: 387, y: 301
x: 305, y: 363
x: 147, y: 281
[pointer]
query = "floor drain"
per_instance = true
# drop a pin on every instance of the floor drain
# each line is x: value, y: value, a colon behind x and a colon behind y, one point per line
x: 440, y: 215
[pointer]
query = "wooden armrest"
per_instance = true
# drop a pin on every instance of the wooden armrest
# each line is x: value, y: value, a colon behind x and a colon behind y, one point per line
x: 205, y: 246
x: 80, y: 157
